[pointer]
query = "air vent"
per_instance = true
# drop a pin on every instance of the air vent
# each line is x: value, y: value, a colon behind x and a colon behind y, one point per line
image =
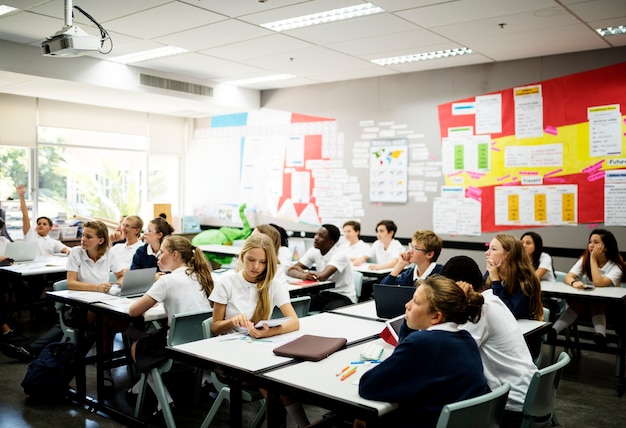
x: 175, y: 85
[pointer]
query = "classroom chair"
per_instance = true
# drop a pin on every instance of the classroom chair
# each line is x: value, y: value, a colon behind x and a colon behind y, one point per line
x: 69, y: 333
x: 185, y: 328
x: 300, y: 305
x: 484, y: 411
x: 544, y: 338
x: 224, y: 391
x: 538, y: 408
x: 358, y: 283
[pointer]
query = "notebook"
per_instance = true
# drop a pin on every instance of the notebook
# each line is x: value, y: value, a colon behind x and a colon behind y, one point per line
x: 390, y: 299
x: 21, y: 251
x: 137, y: 281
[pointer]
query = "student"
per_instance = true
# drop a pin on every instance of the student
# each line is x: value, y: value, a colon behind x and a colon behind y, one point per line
x: 512, y: 278
x: 386, y: 250
x: 354, y: 245
x: 423, y: 253
x: 331, y: 264
x: 243, y: 298
x: 434, y: 364
x: 88, y: 269
x: 274, y: 235
x: 125, y: 251
x: 285, y: 255
x: 601, y: 265
x: 503, y: 349
x: 146, y: 255
x: 186, y: 289
x: 542, y: 262
x: 46, y: 246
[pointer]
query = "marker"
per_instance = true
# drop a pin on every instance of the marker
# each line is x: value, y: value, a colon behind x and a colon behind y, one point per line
x: 349, y: 373
x: 342, y: 370
x: 367, y: 361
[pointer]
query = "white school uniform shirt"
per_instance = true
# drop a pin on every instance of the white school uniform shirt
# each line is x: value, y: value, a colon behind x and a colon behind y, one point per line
x: 609, y: 270
x: 503, y: 350
x: 381, y: 256
x: 89, y: 271
x: 426, y: 273
x: 180, y: 293
x: 545, y: 261
x: 241, y: 296
x: 343, y: 278
x: 3, y: 245
x: 357, y: 250
x: 46, y: 246
x: 125, y: 252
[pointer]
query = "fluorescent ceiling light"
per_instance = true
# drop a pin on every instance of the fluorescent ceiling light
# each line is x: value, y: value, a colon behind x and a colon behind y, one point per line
x: 149, y: 54
x: 324, y: 17
x: 422, y: 56
x: 611, y: 31
x: 263, y: 79
x: 6, y: 9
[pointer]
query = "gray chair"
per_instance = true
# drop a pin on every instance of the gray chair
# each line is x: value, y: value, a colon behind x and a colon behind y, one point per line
x: 538, y: 408
x: 300, y: 305
x: 544, y: 338
x: 184, y: 328
x: 484, y: 411
x: 224, y: 391
x: 69, y: 333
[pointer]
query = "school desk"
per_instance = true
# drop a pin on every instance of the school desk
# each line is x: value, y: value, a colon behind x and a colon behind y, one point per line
x: 614, y: 298
x: 242, y: 360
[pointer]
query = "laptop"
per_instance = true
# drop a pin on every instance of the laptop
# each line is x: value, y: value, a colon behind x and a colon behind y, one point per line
x: 137, y: 281
x: 21, y: 251
x: 390, y: 299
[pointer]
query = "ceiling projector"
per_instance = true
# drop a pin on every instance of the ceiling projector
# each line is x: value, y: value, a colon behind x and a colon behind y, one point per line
x: 70, y: 41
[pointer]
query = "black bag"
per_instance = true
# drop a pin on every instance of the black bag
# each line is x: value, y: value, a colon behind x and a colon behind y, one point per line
x: 48, y: 376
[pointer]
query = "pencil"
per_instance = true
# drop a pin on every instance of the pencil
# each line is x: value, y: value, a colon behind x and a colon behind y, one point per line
x: 349, y: 373
x: 343, y: 370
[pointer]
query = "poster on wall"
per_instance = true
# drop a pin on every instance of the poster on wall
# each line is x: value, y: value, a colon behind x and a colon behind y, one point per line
x: 389, y: 170
x: 552, y: 160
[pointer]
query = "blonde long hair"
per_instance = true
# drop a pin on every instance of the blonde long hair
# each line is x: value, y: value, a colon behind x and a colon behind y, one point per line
x: 264, y: 242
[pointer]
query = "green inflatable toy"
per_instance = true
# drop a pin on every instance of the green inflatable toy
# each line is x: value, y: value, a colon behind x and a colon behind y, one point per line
x: 223, y: 236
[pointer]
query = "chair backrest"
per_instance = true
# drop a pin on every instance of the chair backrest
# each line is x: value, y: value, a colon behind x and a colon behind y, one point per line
x: 484, y: 411
x: 206, y: 327
x: 559, y: 275
x: 187, y: 327
x: 58, y: 286
x: 358, y: 282
x: 541, y: 393
x: 300, y: 305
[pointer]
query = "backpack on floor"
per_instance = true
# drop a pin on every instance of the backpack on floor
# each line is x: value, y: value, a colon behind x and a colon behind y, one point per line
x: 48, y: 376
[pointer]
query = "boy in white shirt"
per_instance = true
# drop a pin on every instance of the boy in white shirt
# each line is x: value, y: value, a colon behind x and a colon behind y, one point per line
x: 46, y: 246
x: 354, y: 245
x: 386, y: 250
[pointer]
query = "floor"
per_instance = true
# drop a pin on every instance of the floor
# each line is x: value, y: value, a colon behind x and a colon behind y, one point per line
x: 587, y: 397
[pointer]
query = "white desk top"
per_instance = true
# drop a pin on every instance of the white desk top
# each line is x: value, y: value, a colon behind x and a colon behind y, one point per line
x: 228, y: 250
x: 365, y: 270
x: 110, y: 302
x: 365, y: 309
x: 233, y: 350
x: 320, y: 377
x: 617, y: 293
x: 39, y: 266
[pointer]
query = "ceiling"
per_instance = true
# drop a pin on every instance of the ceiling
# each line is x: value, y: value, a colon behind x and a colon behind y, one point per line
x: 226, y: 42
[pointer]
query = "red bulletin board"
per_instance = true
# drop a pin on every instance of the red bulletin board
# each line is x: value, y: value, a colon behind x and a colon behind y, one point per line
x: 565, y: 103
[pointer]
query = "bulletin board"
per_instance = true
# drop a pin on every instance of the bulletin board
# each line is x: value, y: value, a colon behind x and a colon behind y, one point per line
x: 539, y: 154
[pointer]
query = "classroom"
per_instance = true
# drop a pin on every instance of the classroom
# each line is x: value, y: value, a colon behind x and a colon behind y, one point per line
x: 522, y: 133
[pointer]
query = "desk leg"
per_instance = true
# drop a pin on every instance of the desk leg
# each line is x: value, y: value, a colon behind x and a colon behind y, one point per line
x: 236, y: 403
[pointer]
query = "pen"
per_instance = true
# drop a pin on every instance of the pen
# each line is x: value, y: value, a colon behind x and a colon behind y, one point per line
x: 232, y: 338
x: 349, y: 373
x: 342, y: 370
x: 367, y: 361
